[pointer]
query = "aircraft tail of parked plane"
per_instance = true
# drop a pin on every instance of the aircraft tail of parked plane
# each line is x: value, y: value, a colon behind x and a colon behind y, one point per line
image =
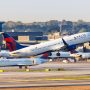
x: 11, y: 43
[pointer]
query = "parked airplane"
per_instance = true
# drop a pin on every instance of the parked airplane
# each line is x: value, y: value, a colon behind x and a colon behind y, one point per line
x: 68, y: 42
x: 60, y: 54
x: 6, y: 60
x: 21, y: 62
x: 82, y: 55
x: 68, y: 54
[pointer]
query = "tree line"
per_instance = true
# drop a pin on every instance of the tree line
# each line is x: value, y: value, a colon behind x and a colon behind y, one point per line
x: 67, y: 27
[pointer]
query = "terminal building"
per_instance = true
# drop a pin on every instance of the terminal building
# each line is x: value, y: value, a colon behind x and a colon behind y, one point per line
x: 1, y: 24
x: 28, y: 37
x: 25, y: 36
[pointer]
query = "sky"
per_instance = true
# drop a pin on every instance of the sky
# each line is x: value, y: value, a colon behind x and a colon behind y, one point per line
x: 44, y: 10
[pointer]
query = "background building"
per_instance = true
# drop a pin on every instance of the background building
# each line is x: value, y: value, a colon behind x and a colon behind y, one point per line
x: 1, y: 26
x: 25, y: 36
x: 55, y: 35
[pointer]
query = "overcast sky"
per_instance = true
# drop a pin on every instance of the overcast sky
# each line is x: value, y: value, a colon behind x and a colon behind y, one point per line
x: 44, y: 10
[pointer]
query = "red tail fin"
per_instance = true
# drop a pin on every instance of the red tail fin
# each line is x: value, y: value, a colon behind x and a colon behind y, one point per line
x: 11, y: 43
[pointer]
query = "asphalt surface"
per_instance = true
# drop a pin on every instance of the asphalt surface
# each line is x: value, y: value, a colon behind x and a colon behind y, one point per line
x: 35, y: 79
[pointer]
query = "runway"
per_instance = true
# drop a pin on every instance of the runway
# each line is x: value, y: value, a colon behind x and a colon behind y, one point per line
x: 50, y: 78
x: 45, y: 84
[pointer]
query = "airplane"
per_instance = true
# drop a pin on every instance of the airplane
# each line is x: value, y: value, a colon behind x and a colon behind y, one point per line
x: 61, y: 54
x: 81, y: 55
x: 66, y: 42
x: 67, y: 54
x: 81, y: 52
x: 21, y: 62
x: 7, y: 61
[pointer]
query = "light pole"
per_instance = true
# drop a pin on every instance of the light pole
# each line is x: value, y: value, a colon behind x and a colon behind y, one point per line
x: 60, y: 28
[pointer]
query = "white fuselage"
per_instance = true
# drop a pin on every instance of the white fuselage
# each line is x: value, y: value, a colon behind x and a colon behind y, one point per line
x: 39, y: 48
x: 51, y: 45
x: 83, y: 55
x: 21, y: 62
x: 60, y: 55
